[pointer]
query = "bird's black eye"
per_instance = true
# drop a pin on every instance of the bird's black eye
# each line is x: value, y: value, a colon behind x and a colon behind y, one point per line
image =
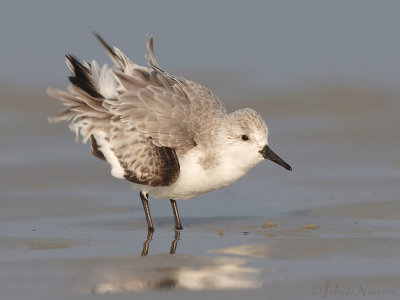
x: 245, y: 137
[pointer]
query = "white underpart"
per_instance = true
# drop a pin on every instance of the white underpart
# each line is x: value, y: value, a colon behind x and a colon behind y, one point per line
x: 194, y: 180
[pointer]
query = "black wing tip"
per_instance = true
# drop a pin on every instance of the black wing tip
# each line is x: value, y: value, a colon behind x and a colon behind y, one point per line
x: 82, y: 77
x: 70, y: 56
x: 75, y: 64
x: 74, y: 61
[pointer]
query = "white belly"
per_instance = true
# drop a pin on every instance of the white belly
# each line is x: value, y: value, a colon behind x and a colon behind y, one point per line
x: 194, y: 180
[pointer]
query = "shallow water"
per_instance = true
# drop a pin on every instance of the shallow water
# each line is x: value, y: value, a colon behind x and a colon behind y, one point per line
x: 67, y: 228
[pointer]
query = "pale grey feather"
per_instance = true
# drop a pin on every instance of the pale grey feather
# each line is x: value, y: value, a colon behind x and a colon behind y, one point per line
x: 171, y: 112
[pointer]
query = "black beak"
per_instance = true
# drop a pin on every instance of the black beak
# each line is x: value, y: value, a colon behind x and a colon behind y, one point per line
x: 267, y: 153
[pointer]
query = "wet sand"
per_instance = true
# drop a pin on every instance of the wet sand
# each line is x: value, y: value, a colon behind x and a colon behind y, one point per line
x: 68, y: 229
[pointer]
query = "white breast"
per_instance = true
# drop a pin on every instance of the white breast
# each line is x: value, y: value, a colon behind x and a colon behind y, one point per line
x: 194, y: 180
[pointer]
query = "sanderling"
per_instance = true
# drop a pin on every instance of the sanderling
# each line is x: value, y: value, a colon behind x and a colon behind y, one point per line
x: 170, y: 137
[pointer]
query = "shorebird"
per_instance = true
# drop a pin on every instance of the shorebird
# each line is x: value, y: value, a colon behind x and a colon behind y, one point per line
x: 170, y: 137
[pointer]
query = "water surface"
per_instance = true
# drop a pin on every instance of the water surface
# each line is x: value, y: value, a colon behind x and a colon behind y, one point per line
x: 67, y: 228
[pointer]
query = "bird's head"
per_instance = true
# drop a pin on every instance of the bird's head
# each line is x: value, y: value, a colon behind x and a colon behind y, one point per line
x: 247, y: 136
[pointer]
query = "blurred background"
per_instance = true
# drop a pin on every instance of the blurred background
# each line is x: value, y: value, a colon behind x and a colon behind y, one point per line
x: 264, y: 44
x: 324, y: 75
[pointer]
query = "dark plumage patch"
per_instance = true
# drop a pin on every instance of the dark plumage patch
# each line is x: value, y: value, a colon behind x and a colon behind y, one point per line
x: 169, y: 168
x: 95, y: 149
x: 166, y: 170
x: 82, y: 77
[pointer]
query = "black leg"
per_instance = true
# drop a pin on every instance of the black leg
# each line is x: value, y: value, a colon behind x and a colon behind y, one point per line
x: 145, y: 203
x: 146, y: 244
x: 175, y: 242
x: 178, y: 224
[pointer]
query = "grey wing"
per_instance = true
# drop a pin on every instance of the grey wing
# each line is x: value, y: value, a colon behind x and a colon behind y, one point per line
x: 200, y: 98
x: 171, y: 111
x: 168, y: 109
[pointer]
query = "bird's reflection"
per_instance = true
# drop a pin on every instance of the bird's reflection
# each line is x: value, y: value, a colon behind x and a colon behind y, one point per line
x: 122, y: 275
x: 175, y: 242
x: 146, y: 244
